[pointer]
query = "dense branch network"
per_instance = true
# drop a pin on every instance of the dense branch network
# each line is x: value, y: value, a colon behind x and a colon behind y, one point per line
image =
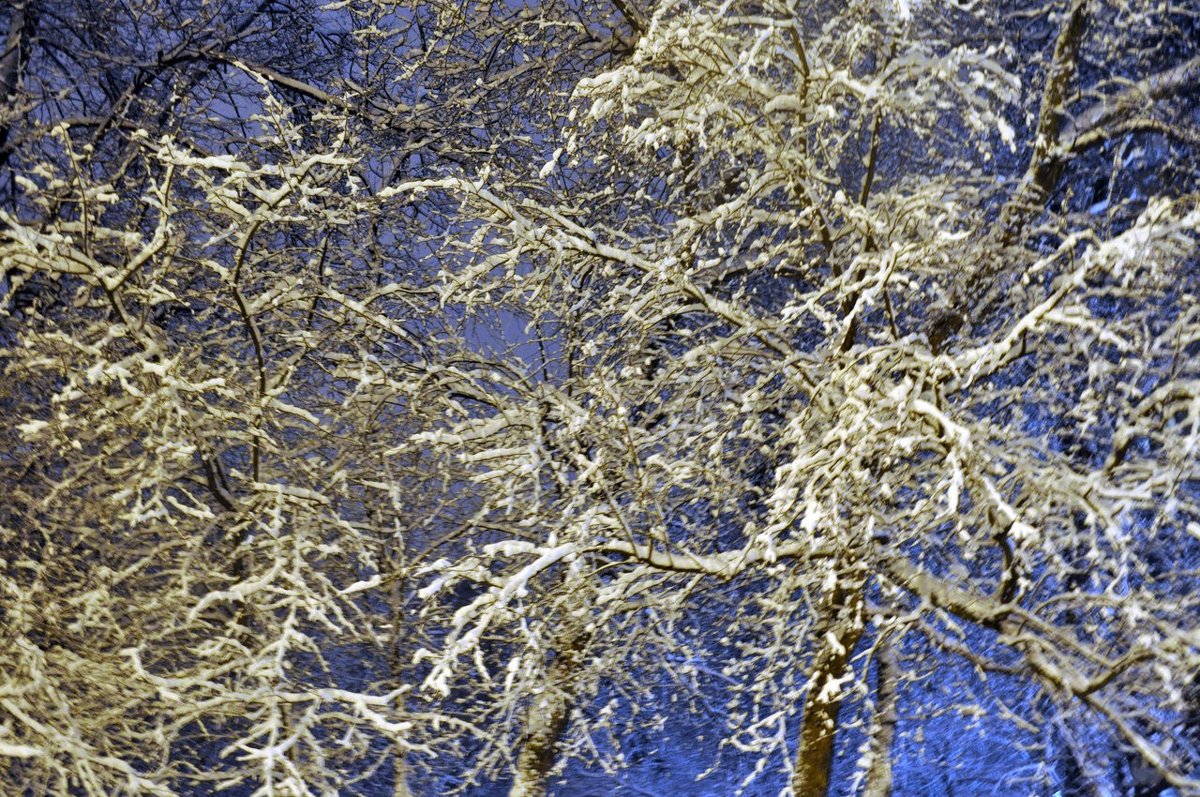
x: 414, y: 396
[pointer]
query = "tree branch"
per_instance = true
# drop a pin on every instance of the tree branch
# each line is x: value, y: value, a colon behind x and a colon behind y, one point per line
x: 1111, y: 115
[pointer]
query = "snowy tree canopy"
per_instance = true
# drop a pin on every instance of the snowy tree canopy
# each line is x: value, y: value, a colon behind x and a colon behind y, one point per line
x: 437, y: 399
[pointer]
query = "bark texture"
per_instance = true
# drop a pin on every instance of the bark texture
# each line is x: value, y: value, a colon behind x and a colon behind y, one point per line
x: 883, y: 726
x: 12, y: 64
x: 818, y: 725
x: 549, y: 713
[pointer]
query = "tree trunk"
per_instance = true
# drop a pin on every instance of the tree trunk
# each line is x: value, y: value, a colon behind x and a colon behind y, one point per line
x: 393, y: 557
x: 883, y: 727
x: 12, y: 64
x: 10, y: 59
x: 548, y: 714
x: 400, y: 773
x: 818, y: 726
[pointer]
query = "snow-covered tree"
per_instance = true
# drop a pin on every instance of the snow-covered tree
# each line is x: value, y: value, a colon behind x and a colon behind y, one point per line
x: 874, y: 315
x: 428, y: 394
x: 217, y: 322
